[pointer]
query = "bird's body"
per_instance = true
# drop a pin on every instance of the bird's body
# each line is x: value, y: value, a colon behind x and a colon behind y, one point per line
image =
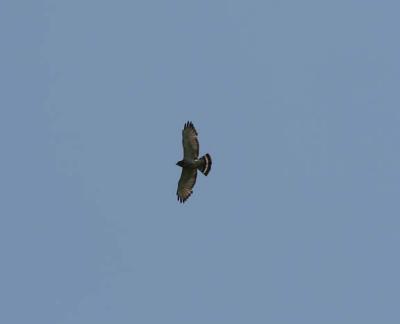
x: 187, y: 164
x: 191, y: 162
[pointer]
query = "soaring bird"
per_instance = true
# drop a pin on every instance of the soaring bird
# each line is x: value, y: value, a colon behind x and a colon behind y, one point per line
x: 191, y: 162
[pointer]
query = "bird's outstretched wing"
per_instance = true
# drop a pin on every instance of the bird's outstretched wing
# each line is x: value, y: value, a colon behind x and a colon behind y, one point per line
x: 186, y: 184
x: 190, y: 142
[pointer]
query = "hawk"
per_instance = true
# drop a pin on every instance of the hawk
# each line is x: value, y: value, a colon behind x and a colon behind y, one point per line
x: 191, y: 162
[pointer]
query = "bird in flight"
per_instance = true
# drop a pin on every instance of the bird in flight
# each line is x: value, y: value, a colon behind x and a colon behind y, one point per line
x: 191, y: 162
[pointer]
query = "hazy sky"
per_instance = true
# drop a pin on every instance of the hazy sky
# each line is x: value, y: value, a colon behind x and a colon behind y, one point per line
x: 297, y: 102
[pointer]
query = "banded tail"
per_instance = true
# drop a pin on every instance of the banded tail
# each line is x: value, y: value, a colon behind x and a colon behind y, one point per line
x: 206, y: 163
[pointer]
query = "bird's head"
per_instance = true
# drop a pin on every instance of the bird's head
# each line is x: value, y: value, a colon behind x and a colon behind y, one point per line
x: 180, y: 163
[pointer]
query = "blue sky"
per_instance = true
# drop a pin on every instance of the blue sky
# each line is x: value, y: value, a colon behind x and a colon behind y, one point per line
x: 297, y: 102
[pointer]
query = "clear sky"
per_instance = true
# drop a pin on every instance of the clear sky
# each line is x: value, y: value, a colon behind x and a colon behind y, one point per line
x: 297, y: 102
